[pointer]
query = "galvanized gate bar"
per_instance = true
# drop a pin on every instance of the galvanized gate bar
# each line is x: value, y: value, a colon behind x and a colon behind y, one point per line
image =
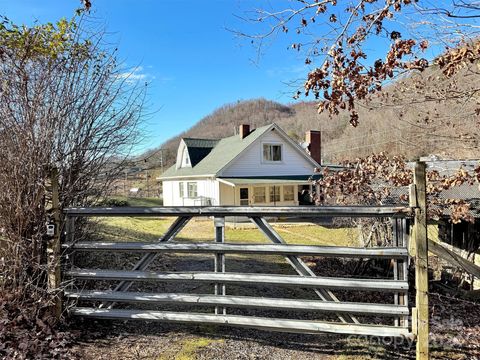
x: 231, y: 248
x: 395, y: 236
x: 242, y: 302
x: 300, y: 267
x: 147, y: 259
x: 404, y: 268
x: 302, y: 211
x: 69, y: 234
x: 400, y: 271
x: 244, y: 278
x: 306, y: 278
x: 172, y: 231
x: 220, y: 289
x: 262, y: 323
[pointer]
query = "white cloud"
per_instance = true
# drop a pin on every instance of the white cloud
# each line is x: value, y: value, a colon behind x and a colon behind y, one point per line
x: 134, y: 75
x: 140, y: 73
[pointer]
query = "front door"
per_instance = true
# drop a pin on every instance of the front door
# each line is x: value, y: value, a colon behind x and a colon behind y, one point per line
x: 244, y: 197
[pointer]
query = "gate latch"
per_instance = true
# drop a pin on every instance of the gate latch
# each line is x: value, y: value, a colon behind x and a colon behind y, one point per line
x: 50, y: 229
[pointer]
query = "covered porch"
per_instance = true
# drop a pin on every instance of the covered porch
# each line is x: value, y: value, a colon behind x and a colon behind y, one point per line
x: 267, y: 191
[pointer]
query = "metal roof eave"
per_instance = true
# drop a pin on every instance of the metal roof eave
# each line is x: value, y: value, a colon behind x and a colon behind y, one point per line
x: 263, y: 181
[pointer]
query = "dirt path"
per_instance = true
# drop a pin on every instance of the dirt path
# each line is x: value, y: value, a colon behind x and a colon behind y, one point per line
x: 112, y: 341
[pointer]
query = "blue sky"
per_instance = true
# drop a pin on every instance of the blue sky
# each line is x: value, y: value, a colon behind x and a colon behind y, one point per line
x: 194, y: 65
x: 182, y: 48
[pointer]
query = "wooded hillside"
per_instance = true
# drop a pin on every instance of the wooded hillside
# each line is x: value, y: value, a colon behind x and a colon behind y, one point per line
x: 411, y: 117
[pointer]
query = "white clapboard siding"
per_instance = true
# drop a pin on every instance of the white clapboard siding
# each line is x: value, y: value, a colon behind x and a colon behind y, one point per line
x: 250, y: 162
x: 228, y: 195
x: 207, y: 190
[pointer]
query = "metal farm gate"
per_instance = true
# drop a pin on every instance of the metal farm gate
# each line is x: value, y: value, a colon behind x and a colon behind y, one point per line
x: 324, y: 287
x: 399, y: 319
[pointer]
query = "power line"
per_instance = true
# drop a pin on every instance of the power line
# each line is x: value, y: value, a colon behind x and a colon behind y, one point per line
x: 363, y: 146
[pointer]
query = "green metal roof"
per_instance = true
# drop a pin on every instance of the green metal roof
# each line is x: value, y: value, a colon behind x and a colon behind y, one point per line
x: 225, y: 151
x: 198, y: 149
x: 200, y: 143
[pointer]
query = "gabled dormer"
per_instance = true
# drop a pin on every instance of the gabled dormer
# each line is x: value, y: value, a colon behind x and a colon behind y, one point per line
x: 191, y: 151
x: 183, y: 158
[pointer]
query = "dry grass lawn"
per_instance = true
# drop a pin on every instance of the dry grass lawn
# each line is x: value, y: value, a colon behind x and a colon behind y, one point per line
x: 150, y: 229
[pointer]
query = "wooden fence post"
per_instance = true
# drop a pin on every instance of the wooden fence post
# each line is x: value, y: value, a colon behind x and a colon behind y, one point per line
x: 418, y: 199
x: 53, y: 247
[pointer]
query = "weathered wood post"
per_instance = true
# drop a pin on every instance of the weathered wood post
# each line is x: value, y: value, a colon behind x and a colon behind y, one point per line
x: 418, y: 200
x: 220, y: 289
x: 53, y: 247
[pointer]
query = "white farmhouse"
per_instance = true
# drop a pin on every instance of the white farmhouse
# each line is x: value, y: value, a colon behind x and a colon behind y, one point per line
x: 257, y: 167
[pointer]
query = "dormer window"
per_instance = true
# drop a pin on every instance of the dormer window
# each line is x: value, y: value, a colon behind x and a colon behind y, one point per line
x: 272, y: 152
x: 185, y: 158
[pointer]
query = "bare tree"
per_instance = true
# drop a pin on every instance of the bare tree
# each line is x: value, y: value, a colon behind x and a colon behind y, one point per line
x: 65, y: 102
x: 354, y: 48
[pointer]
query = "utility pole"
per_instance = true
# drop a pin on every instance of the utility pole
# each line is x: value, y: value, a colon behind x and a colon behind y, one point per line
x: 161, y: 159
x: 125, y: 183
x: 146, y: 178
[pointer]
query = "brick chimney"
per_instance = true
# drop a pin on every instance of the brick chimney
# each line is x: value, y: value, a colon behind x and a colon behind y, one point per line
x: 244, y: 130
x: 314, y: 140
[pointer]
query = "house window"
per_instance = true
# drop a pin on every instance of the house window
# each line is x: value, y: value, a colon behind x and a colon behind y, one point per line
x: 192, y: 189
x: 185, y: 158
x: 274, y: 193
x: 259, y: 195
x: 244, y: 200
x: 181, y: 189
x: 288, y: 193
x: 272, y: 152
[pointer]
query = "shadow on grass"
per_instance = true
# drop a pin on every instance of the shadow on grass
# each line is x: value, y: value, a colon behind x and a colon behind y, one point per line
x: 137, y: 201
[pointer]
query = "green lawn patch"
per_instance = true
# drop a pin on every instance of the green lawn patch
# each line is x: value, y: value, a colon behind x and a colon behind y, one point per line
x: 151, y: 228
